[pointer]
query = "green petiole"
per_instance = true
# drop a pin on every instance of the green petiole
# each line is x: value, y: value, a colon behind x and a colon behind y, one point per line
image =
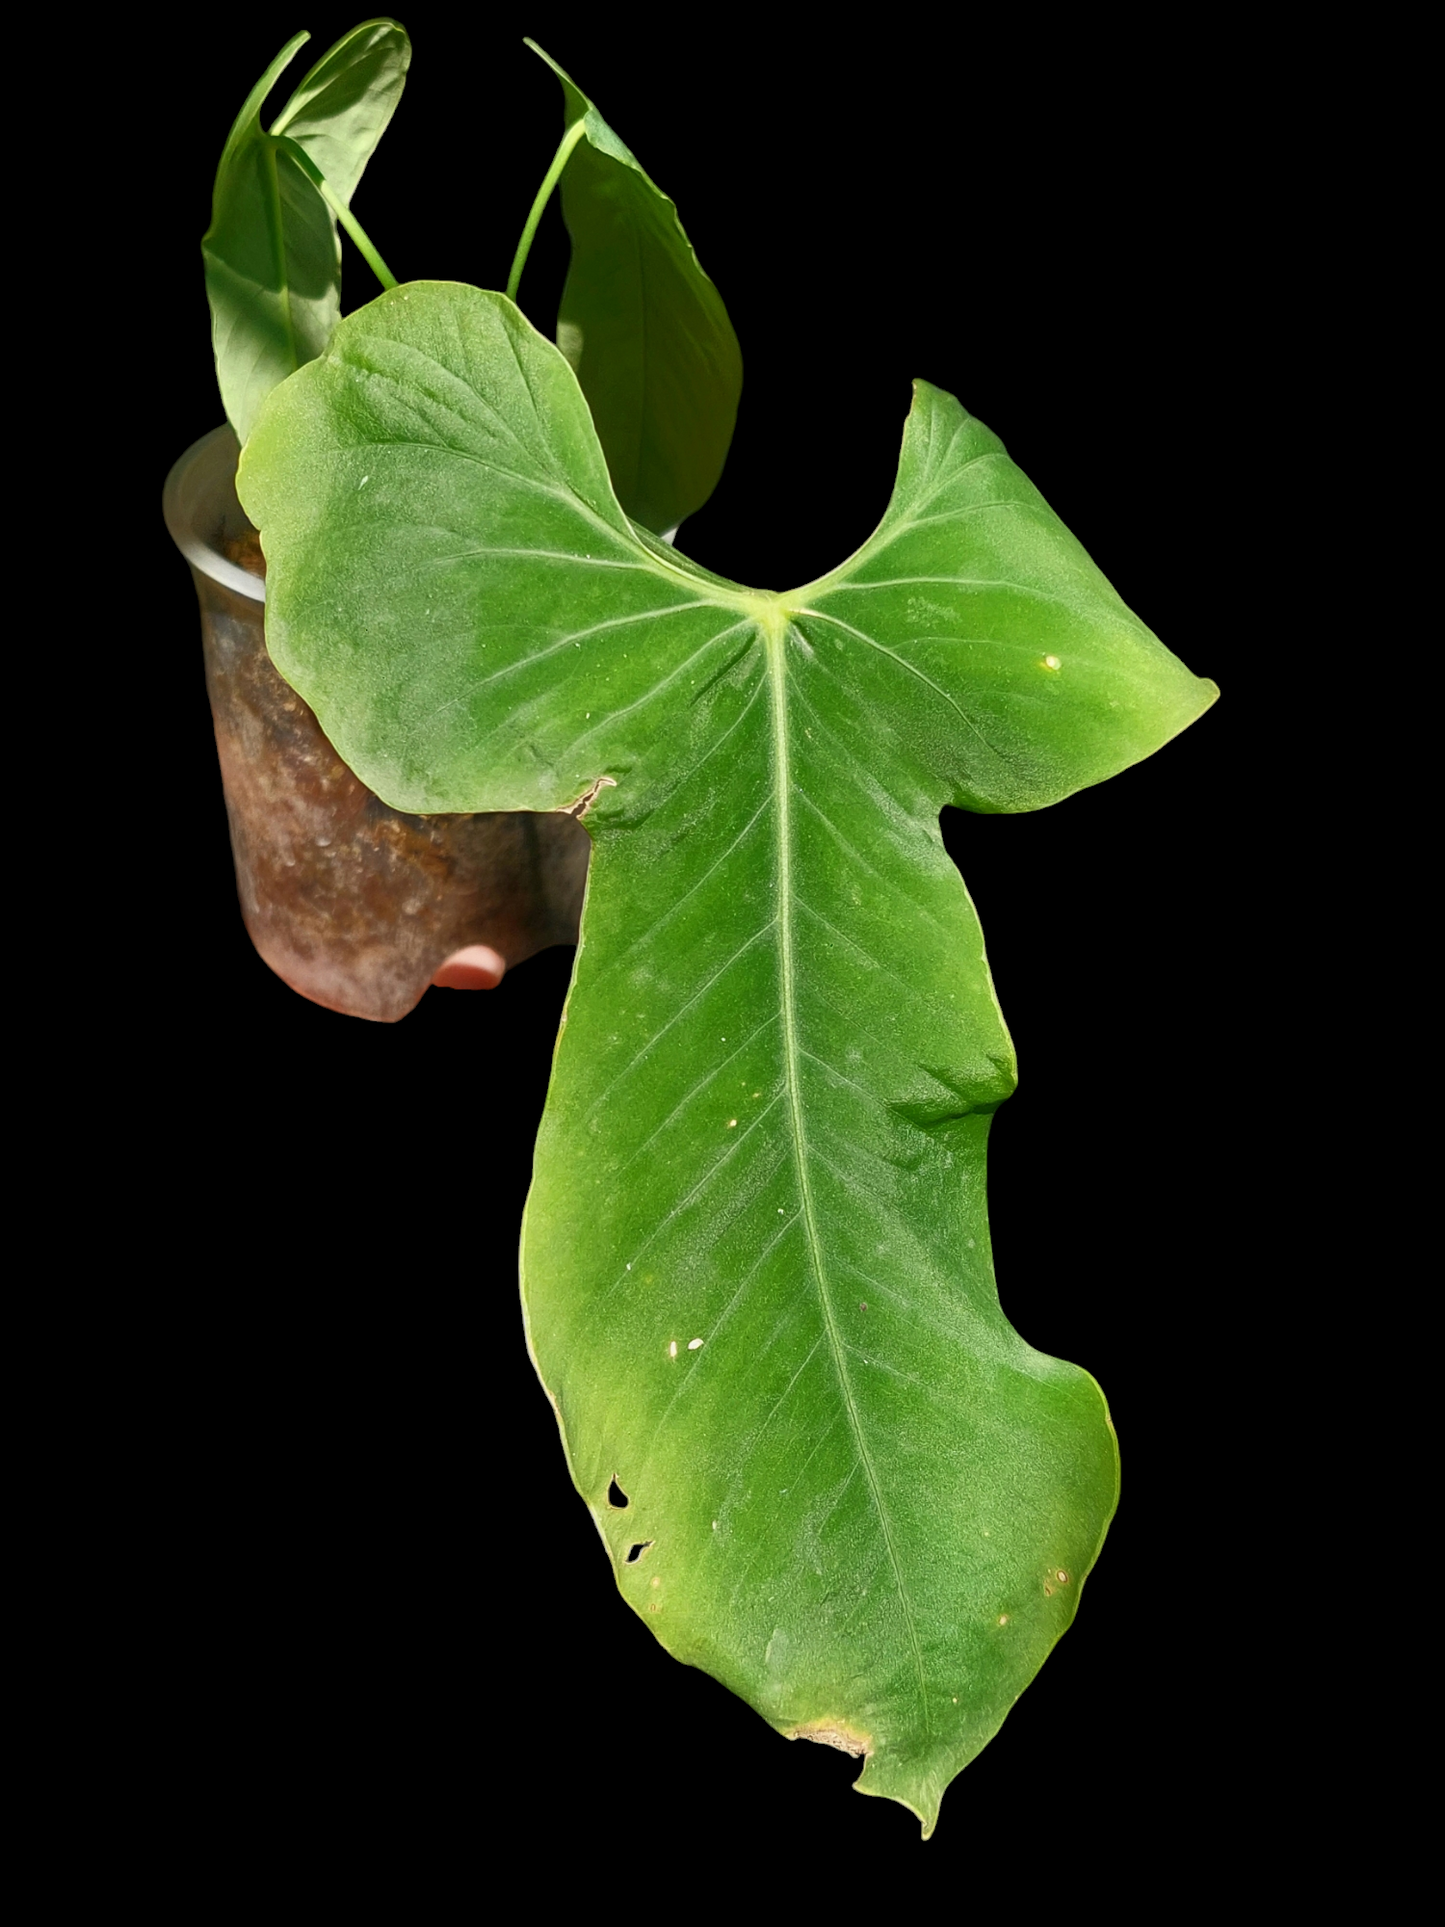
x: 296, y: 152
x: 553, y: 175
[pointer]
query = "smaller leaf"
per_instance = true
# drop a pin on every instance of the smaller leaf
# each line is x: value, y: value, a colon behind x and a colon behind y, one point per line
x: 644, y: 328
x: 344, y: 105
x: 273, y: 260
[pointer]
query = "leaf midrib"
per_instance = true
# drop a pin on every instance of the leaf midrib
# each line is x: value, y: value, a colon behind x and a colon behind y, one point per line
x: 772, y: 614
x: 271, y: 149
x: 775, y: 633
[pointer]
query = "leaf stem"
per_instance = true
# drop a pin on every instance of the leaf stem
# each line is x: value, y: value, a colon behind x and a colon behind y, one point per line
x: 553, y: 175
x: 296, y: 152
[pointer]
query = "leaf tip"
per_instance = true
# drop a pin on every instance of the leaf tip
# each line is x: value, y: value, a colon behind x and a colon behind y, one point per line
x: 542, y: 54
x: 922, y: 1802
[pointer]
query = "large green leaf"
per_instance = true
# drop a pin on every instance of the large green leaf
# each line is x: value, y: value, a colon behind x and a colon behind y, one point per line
x: 273, y: 261
x: 756, y: 1258
x: 644, y: 328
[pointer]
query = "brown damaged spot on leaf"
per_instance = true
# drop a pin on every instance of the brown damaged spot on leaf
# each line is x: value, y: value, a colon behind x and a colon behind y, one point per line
x: 836, y: 1733
x: 584, y: 803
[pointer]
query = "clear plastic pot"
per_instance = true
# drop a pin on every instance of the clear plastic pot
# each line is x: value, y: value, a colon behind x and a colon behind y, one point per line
x: 353, y: 904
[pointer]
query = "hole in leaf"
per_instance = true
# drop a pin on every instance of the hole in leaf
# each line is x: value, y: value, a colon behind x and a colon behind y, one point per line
x: 637, y: 1551
x: 617, y: 1497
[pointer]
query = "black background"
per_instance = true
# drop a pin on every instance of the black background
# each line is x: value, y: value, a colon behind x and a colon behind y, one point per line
x: 379, y: 1623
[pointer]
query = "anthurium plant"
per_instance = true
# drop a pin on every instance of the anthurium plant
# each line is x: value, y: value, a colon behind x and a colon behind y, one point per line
x: 756, y: 1270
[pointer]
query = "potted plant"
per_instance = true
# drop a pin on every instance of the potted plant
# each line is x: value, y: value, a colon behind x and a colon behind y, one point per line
x: 355, y: 905
x: 782, y: 1051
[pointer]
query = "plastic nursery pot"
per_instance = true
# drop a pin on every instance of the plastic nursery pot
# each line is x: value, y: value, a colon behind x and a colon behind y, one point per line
x: 351, y: 903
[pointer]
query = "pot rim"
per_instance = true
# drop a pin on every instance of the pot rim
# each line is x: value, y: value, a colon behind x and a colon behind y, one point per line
x: 198, y: 492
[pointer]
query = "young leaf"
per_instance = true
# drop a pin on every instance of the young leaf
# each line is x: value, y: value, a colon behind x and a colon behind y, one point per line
x: 644, y: 328
x: 756, y: 1260
x: 273, y: 261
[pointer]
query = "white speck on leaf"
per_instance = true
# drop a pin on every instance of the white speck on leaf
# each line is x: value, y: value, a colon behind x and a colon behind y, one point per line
x: 1051, y: 662
x: 695, y: 1344
x: 672, y: 1349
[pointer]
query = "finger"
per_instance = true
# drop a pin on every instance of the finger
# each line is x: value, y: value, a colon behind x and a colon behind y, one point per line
x: 478, y: 967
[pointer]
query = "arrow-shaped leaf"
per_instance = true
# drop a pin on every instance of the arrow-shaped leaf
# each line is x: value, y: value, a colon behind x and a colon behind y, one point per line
x: 756, y: 1258
x: 644, y: 328
x: 273, y: 261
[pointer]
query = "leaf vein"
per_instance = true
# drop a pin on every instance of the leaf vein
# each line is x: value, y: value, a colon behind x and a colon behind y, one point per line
x: 782, y: 776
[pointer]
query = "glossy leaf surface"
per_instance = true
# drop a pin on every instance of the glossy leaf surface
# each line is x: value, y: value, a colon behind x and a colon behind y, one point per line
x: 756, y: 1258
x: 273, y: 260
x: 644, y: 328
